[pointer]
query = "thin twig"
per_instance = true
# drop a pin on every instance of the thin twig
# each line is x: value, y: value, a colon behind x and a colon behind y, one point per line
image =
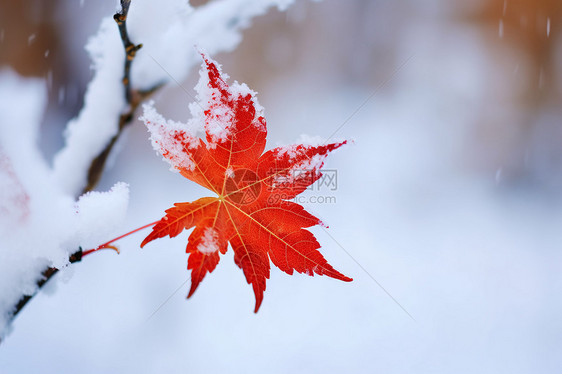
x: 98, y: 164
x: 130, y: 47
x: 133, y: 97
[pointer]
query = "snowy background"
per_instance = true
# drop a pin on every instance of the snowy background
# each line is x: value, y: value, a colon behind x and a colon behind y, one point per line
x: 449, y: 198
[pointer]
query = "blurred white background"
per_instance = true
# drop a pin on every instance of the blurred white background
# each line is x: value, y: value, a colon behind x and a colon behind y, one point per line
x: 450, y: 197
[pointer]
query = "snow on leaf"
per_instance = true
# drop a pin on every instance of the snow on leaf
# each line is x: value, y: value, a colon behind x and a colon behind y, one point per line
x: 176, y: 136
x: 251, y: 210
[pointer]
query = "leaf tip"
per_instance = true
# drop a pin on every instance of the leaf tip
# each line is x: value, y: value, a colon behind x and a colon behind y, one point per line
x: 258, y: 304
x: 145, y: 241
x: 192, y: 290
x: 339, y: 144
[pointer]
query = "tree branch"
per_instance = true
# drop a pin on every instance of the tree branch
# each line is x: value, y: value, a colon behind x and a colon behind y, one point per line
x: 46, y: 275
x: 134, y: 98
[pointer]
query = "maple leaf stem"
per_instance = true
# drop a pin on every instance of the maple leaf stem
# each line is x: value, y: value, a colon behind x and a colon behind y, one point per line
x: 108, y: 245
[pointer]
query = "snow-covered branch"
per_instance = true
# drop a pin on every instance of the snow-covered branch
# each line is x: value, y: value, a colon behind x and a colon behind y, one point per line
x: 42, y: 225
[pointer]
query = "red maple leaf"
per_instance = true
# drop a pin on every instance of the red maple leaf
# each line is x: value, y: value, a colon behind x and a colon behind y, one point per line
x: 252, y: 210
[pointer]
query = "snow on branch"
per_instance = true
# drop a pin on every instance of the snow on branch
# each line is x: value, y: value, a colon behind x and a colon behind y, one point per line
x: 40, y: 225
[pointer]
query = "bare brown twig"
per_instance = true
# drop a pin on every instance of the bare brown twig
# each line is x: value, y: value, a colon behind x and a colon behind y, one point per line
x: 133, y: 97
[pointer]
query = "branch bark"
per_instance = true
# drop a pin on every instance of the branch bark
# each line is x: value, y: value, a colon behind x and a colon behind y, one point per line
x: 133, y: 97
